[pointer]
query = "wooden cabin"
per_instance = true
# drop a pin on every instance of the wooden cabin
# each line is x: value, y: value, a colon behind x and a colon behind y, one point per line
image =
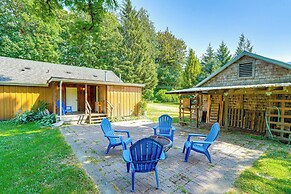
x: 250, y: 92
x: 90, y: 92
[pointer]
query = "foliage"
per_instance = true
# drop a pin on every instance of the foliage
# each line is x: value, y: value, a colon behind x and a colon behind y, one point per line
x: 47, y: 120
x: 208, y: 61
x: 269, y: 174
x: 243, y: 45
x: 170, y: 59
x: 39, y: 113
x: 222, y: 55
x: 161, y: 96
x: 38, y: 160
x: 192, y: 70
x: 143, y: 107
x: 23, y: 33
x: 25, y: 117
x: 137, y: 61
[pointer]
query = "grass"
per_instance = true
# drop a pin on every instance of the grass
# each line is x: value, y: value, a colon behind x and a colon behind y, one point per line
x: 38, y: 160
x: 154, y: 110
x: 271, y: 173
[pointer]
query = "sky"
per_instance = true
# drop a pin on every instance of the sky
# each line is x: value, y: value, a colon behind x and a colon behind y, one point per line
x: 266, y: 23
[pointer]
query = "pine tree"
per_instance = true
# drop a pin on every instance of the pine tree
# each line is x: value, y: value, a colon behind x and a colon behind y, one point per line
x: 208, y: 61
x: 171, y: 57
x: 138, y: 56
x: 222, y: 56
x: 192, y: 70
x: 243, y: 45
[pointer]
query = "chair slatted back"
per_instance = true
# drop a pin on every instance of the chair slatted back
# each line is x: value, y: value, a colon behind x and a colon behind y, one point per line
x: 145, y: 154
x: 213, y: 134
x: 165, y: 124
x: 107, y: 129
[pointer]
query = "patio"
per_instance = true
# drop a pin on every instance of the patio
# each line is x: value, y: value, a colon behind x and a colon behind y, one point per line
x: 231, y: 153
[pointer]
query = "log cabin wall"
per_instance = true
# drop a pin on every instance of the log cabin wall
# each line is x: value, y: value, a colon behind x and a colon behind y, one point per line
x: 16, y: 99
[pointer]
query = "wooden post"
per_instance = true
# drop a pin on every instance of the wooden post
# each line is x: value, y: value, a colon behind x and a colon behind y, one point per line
x: 220, y: 109
x: 180, y: 107
x: 86, y: 95
x: 54, y: 98
x: 197, y: 110
x: 226, y: 111
x: 61, y: 100
x: 208, y: 108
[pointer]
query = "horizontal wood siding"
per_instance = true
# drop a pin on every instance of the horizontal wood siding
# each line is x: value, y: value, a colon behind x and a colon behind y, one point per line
x: 125, y: 100
x: 14, y: 99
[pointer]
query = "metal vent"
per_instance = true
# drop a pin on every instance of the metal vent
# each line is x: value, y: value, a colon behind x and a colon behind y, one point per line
x: 246, y: 70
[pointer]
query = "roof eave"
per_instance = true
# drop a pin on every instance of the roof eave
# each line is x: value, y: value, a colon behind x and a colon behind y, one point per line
x: 23, y: 84
x: 58, y: 79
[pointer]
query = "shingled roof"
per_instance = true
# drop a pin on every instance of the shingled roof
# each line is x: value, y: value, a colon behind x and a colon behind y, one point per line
x: 34, y: 73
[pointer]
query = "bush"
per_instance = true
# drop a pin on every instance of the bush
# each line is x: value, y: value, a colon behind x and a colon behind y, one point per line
x: 143, y: 107
x: 47, y: 120
x: 161, y: 96
x: 25, y: 117
x: 40, y: 114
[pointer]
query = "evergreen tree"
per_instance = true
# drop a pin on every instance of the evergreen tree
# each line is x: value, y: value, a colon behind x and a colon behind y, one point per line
x: 137, y: 60
x: 171, y: 57
x: 192, y: 70
x: 243, y: 45
x: 208, y: 61
x: 222, y: 56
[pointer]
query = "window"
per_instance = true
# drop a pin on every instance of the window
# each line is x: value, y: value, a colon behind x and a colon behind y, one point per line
x: 246, y: 70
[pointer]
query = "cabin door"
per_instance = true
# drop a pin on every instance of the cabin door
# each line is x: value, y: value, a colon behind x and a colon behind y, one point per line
x: 72, y: 98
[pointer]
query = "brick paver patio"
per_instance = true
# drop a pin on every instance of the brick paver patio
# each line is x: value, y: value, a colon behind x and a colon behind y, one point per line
x: 231, y: 153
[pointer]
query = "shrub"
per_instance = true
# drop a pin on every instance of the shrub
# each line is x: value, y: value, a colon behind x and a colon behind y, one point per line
x: 47, y: 120
x: 39, y: 113
x: 25, y: 117
x: 161, y: 96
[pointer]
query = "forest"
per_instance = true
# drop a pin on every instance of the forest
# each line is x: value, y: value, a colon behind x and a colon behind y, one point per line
x: 108, y: 35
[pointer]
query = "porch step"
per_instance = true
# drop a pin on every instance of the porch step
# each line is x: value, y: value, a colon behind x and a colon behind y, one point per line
x: 96, y: 118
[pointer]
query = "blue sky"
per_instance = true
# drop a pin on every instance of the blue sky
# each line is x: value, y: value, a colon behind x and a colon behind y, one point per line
x: 266, y: 23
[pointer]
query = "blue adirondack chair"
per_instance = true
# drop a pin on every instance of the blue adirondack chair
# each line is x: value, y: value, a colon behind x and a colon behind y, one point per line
x: 114, y: 140
x: 201, y: 146
x: 65, y: 109
x: 165, y: 127
x: 144, y: 156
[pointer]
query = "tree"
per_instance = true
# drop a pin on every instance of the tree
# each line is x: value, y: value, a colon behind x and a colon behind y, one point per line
x: 171, y: 57
x: 222, y: 56
x: 208, y: 61
x: 192, y: 70
x: 24, y: 35
x: 137, y: 59
x: 243, y: 45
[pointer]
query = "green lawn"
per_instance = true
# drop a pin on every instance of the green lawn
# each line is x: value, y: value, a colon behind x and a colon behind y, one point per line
x: 154, y: 110
x: 38, y: 160
x: 271, y: 173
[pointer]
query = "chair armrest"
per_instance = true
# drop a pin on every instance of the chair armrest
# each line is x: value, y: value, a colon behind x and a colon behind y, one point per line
x: 195, y: 135
x: 155, y: 129
x: 173, y: 129
x: 163, y: 155
x: 202, y: 142
x: 115, y: 136
x: 123, y: 131
x: 126, y: 156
